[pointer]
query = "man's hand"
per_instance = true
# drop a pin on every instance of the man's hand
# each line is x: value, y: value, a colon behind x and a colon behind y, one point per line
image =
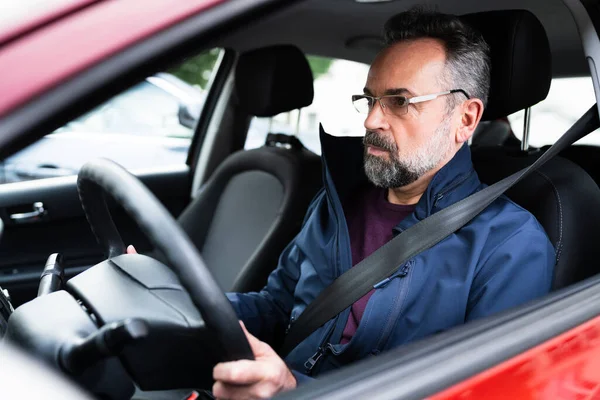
x: 131, y: 250
x: 259, y: 379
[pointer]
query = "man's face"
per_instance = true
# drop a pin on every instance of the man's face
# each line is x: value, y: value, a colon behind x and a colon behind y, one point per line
x: 399, y: 149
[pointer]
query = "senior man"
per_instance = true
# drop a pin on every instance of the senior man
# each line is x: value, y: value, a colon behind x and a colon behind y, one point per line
x: 424, y: 96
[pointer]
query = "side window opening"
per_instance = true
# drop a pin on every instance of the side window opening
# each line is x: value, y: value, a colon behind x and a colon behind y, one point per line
x: 149, y: 125
x: 335, y: 81
x: 567, y: 100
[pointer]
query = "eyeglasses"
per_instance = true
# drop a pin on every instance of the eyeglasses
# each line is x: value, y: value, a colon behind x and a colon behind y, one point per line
x: 395, y: 104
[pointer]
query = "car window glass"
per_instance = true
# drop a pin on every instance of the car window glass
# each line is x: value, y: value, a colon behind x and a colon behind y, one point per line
x: 568, y: 99
x: 145, y: 109
x: 335, y: 81
x: 149, y: 125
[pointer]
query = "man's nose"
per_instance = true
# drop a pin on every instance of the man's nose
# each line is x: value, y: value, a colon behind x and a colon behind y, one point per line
x: 376, y: 119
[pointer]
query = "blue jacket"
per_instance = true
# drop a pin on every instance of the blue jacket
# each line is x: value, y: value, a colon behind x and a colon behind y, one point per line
x: 501, y: 259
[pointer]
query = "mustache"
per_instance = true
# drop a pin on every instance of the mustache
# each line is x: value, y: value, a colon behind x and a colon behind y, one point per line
x: 377, y: 140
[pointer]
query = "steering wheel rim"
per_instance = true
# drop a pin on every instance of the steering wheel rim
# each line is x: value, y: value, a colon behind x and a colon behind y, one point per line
x: 102, y: 176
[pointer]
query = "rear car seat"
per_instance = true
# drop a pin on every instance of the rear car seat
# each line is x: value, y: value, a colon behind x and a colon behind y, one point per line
x: 254, y: 202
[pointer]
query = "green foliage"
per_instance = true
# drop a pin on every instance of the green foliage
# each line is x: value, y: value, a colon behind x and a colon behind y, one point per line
x: 319, y: 65
x: 196, y: 70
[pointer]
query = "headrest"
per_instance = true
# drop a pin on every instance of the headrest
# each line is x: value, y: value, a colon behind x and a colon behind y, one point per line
x: 521, y: 61
x: 273, y: 79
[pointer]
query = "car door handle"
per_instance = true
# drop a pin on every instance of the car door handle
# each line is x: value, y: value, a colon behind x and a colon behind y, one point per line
x: 42, y: 171
x: 38, y: 212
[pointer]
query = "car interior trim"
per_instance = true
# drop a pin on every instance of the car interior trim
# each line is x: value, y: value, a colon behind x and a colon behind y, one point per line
x: 210, y: 137
x: 589, y: 38
x: 216, y: 84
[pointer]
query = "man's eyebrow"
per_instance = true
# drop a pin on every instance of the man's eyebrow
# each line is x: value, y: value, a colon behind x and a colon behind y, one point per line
x: 388, y: 92
x: 402, y: 91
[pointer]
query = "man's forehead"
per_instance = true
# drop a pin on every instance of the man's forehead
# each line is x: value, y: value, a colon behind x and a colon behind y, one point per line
x: 409, y: 67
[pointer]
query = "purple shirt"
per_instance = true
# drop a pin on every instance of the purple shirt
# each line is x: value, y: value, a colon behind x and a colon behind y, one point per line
x: 370, y: 223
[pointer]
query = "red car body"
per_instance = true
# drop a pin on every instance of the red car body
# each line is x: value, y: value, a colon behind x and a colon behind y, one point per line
x: 565, y: 367
x: 59, y: 45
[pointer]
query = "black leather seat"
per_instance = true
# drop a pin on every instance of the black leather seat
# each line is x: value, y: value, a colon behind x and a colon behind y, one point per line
x: 493, y: 133
x: 255, y: 201
x: 561, y: 195
x: 586, y: 156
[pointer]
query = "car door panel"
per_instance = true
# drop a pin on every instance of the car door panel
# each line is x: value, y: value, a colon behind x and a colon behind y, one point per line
x: 548, y: 347
x: 564, y: 367
x: 63, y: 228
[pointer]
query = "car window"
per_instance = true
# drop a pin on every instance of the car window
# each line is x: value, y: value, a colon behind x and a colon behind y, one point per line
x: 568, y: 99
x: 147, y: 126
x: 145, y: 109
x: 335, y: 82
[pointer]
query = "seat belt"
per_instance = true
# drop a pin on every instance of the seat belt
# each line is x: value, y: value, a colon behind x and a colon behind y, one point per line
x: 360, y: 279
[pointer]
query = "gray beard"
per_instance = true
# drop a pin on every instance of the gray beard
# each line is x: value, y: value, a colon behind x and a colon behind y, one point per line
x: 395, y: 173
x: 388, y: 173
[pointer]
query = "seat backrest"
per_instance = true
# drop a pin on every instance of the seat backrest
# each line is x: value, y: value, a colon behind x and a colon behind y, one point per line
x: 254, y: 202
x: 561, y: 195
x: 491, y: 133
x: 586, y: 156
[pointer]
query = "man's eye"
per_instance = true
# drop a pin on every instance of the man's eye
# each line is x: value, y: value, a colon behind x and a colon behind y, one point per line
x: 398, y: 101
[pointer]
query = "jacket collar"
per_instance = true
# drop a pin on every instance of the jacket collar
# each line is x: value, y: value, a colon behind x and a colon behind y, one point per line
x: 345, y: 175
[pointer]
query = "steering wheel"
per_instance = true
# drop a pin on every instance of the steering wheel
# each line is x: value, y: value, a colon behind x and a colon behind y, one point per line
x: 99, y: 177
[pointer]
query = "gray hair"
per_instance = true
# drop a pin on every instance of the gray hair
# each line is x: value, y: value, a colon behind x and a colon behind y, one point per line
x: 467, y: 54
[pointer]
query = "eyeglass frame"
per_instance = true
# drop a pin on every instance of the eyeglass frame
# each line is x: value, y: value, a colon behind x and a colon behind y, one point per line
x: 410, y: 100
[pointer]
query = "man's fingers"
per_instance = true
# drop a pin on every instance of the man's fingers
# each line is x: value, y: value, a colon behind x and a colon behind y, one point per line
x: 224, y: 391
x: 242, y: 372
x: 246, y: 379
x: 262, y: 390
x: 131, y: 250
x: 255, y: 344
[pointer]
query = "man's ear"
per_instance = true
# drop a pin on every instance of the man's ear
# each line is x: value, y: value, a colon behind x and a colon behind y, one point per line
x: 470, y: 115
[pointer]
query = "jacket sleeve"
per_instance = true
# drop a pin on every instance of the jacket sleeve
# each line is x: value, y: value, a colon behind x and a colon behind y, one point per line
x: 301, y: 379
x: 518, y: 270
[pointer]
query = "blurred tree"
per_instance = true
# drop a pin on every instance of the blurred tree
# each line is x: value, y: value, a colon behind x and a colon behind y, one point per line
x: 197, y: 70
x: 319, y: 65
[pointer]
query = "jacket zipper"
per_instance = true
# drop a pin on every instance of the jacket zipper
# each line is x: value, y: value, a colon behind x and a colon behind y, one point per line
x: 287, y: 330
x: 401, y: 273
x: 312, y: 361
x: 452, y: 187
x: 397, y: 307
